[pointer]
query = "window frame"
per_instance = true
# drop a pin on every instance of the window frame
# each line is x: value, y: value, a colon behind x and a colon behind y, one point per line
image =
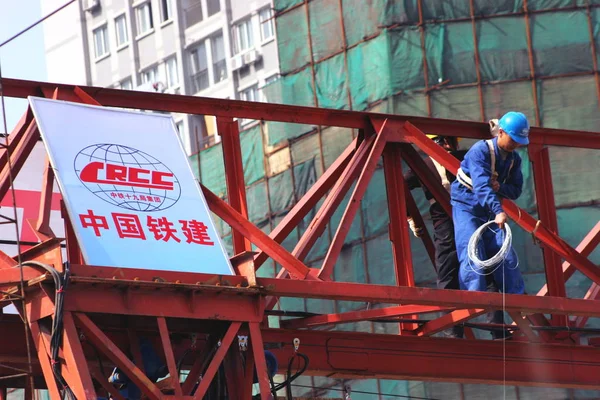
x: 121, y: 17
x: 168, y: 83
x: 137, y: 11
x: 169, y: 6
x: 222, y: 62
x: 269, y: 20
x: 208, y: 13
x: 193, y: 73
x: 105, y: 41
x: 247, y: 23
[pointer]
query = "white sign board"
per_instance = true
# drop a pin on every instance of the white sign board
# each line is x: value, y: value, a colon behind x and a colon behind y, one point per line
x: 128, y: 188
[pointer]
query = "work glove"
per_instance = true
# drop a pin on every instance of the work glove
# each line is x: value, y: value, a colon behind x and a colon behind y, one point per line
x: 417, y: 230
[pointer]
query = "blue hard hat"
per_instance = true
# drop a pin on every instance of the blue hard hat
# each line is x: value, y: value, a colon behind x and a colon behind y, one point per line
x: 515, y: 124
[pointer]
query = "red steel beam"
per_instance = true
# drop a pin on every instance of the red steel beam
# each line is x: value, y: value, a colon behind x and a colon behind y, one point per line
x: 349, y: 355
x: 424, y: 296
x: 524, y: 327
x: 108, y: 348
x: 368, y: 169
x: 447, y: 321
x: 585, y: 248
x: 333, y: 200
x: 18, y: 156
x: 43, y: 352
x: 234, y: 176
x: 518, y: 215
x: 357, y: 316
x: 327, y: 209
x: 294, y: 266
x: 287, y: 113
x: 544, y: 194
x: 208, y: 376
x: 431, y: 182
x: 309, y: 200
x: 169, y: 357
x: 43, y: 222
x: 395, y: 188
x: 260, y: 361
x: 75, y: 367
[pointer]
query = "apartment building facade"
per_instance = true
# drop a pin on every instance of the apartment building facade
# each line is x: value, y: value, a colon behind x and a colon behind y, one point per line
x: 213, y: 48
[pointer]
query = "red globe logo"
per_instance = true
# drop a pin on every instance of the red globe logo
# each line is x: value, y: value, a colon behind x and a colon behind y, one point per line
x: 127, y: 177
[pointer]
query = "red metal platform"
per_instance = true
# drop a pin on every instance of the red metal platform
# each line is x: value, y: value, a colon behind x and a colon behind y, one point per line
x: 107, y: 309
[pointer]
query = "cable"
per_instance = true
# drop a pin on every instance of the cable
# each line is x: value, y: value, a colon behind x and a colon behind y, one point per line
x: 35, y: 23
x: 60, y: 284
x: 487, y: 266
x: 373, y: 393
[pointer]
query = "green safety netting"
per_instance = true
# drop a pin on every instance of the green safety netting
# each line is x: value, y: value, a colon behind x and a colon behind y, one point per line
x: 335, y: 140
x: 561, y: 43
x: 293, y: 53
x: 325, y: 17
x: 503, y: 50
x: 252, y: 155
x: 552, y: 4
x: 281, y: 5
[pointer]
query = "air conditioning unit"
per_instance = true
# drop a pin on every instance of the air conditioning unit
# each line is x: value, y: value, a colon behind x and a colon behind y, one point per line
x: 92, y: 5
x: 251, y: 56
x: 151, y: 87
x: 237, y: 62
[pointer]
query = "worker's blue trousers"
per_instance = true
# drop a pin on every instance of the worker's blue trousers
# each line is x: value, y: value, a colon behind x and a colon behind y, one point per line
x: 507, y: 276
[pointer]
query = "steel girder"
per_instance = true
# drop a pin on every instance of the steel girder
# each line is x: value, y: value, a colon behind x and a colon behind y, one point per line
x: 541, y: 353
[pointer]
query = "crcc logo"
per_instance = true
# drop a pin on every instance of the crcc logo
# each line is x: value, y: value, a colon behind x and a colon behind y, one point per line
x: 127, y: 177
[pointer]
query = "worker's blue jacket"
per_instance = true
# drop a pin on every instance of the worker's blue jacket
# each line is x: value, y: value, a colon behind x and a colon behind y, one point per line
x: 472, y: 207
x: 477, y: 166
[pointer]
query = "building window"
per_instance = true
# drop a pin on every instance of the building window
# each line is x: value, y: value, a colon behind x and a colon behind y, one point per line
x: 150, y: 75
x: 126, y: 84
x: 121, y: 29
x: 266, y: 24
x: 218, y: 56
x: 143, y: 16
x: 213, y: 7
x: 199, y: 67
x: 249, y: 94
x: 101, y: 41
x: 183, y: 138
x: 165, y: 10
x: 172, y: 75
x: 244, y: 38
x: 192, y: 12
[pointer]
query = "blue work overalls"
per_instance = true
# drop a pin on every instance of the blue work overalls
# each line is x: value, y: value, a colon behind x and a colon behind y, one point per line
x: 472, y: 207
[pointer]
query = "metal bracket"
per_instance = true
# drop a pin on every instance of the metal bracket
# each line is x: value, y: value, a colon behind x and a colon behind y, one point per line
x: 296, y: 344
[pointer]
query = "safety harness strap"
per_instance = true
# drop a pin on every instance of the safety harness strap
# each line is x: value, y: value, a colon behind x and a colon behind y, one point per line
x: 466, y: 180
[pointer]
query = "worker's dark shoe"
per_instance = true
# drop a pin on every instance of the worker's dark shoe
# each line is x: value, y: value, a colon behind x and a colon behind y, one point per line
x: 500, y: 335
x: 456, y: 332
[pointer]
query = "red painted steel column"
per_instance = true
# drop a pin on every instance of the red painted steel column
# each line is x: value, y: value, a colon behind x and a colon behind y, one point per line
x: 3, y: 393
x: 544, y: 194
x: 234, y: 176
x: 216, y: 361
x: 398, y: 229
x: 395, y: 186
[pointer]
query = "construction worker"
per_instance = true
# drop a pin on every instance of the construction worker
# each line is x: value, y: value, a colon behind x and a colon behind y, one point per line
x: 490, y: 170
x: 446, y: 261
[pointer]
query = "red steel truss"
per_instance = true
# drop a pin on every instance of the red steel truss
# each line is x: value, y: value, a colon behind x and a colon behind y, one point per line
x: 206, y: 317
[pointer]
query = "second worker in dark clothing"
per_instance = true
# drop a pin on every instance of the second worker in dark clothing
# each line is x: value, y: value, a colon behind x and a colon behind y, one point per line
x: 446, y: 258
